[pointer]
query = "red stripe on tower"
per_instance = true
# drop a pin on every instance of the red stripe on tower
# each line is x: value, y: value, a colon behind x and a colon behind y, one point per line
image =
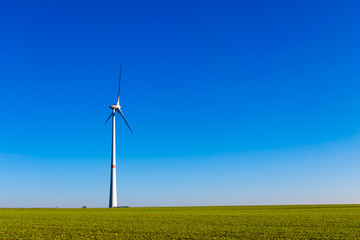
x: 113, y: 166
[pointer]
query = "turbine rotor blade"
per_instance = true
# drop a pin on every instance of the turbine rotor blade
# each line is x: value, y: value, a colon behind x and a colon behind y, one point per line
x: 120, y: 112
x: 109, y: 117
x: 119, y: 85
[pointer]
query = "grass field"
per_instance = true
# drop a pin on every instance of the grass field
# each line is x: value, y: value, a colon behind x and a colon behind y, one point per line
x: 237, y: 222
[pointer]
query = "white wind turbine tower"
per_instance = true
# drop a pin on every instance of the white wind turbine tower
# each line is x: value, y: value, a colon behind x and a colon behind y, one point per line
x: 115, y: 108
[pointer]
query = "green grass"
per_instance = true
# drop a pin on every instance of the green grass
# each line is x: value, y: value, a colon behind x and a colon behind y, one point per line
x: 233, y: 222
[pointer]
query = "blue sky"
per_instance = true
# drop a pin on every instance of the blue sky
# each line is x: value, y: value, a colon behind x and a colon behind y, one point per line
x: 231, y: 102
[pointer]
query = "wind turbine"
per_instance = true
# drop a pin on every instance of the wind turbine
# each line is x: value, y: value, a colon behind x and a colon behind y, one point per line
x: 115, y: 108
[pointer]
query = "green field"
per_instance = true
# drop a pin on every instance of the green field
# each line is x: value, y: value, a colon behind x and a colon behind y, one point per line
x: 233, y: 222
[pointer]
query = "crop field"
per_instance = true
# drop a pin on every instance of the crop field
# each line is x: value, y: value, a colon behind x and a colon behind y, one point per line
x: 232, y: 222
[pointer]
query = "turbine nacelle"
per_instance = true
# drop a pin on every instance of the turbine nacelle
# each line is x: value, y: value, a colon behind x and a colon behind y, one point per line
x: 115, y: 106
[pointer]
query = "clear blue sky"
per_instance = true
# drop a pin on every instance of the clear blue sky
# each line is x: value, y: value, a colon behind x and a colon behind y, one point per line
x: 231, y: 102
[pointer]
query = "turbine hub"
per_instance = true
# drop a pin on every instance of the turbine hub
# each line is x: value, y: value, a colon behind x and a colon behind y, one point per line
x: 115, y: 106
